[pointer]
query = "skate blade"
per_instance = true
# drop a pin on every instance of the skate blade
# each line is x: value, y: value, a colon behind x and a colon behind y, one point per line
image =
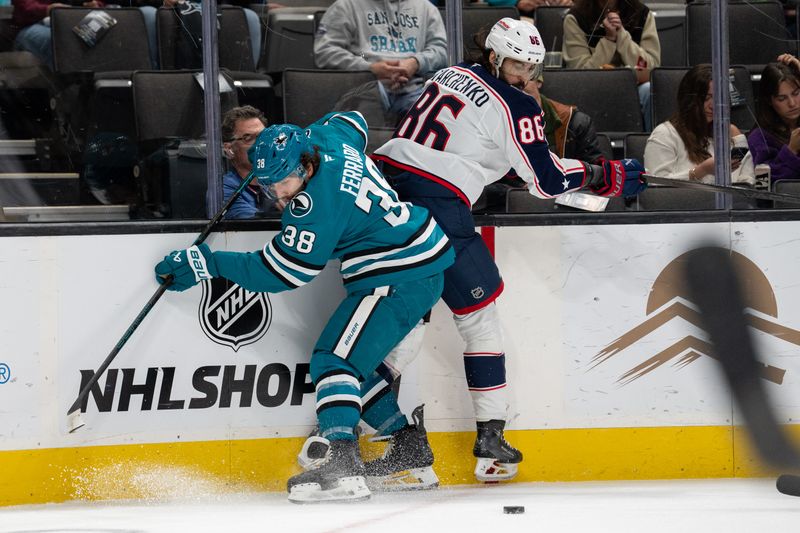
x: 488, y: 470
x: 412, y: 479
x: 348, y: 489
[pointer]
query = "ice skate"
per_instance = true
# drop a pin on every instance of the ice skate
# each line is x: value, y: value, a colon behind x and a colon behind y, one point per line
x: 339, y: 478
x: 407, y: 463
x: 497, y: 459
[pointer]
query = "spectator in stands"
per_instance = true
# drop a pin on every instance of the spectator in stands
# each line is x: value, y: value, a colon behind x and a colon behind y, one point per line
x: 399, y: 41
x: 611, y: 34
x: 32, y: 17
x: 776, y: 141
x: 682, y: 147
x: 569, y: 131
x: 240, y: 127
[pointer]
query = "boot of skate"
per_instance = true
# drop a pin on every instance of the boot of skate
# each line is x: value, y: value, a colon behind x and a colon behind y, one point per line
x: 339, y: 478
x: 407, y: 463
x: 497, y: 459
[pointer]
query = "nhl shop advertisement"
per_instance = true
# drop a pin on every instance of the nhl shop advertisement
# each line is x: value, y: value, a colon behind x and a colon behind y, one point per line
x: 598, y: 333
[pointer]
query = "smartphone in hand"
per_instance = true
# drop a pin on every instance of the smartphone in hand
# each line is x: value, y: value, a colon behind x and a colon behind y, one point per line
x: 738, y: 152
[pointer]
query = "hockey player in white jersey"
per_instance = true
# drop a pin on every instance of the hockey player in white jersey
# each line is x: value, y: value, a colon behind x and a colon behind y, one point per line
x: 472, y: 124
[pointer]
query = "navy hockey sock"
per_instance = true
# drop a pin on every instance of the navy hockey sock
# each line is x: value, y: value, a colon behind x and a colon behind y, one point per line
x: 380, y: 409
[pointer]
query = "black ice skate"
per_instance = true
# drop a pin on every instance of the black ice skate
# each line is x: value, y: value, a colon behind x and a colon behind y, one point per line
x: 339, y: 478
x: 497, y: 459
x: 407, y: 463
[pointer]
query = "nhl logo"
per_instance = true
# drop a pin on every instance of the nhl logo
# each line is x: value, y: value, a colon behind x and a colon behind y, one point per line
x: 233, y: 316
x: 477, y: 293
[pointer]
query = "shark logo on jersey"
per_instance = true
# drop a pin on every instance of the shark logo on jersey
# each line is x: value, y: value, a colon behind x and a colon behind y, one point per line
x: 233, y: 316
x: 301, y: 205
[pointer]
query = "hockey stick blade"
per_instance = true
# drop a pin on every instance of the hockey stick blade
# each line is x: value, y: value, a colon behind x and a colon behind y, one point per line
x: 715, y: 288
x: 788, y: 484
x: 711, y: 187
x: 74, y: 419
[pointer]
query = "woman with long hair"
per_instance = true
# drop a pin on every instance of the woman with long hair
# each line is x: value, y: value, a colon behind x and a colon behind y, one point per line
x: 611, y: 34
x: 682, y: 147
x: 776, y: 141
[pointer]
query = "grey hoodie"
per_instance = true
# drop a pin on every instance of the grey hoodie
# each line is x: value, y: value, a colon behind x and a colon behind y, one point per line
x: 355, y: 33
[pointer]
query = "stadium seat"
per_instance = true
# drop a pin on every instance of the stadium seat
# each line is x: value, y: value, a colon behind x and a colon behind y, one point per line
x: 656, y: 198
x: 605, y: 145
x: 522, y: 201
x: 124, y: 48
x: 290, y: 39
x: 377, y: 138
x: 310, y: 93
x: 549, y: 20
x: 235, y: 55
x: 757, y: 29
x: 786, y: 187
x: 173, y: 173
x: 660, y: 198
x: 474, y: 18
x: 670, y: 25
x: 634, y: 145
x: 664, y: 83
x: 96, y: 96
x: 608, y: 96
x: 233, y: 37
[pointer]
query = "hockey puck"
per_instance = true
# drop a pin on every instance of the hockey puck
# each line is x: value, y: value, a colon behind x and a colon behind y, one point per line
x: 788, y: 484
x: 513, y: 509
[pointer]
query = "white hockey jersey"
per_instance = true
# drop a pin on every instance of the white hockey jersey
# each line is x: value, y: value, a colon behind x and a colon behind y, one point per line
x: 468, y: 129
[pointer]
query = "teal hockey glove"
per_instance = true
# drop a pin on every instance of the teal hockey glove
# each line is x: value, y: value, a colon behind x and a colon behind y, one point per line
x: 187, y: 267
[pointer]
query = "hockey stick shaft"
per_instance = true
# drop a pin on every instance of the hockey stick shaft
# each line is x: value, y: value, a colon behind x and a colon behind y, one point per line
x: 716, y: 290
x: 76, y: 406
x: 741, y: 191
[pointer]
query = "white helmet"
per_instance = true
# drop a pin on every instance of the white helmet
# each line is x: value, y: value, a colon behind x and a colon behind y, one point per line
x: 517, y: 40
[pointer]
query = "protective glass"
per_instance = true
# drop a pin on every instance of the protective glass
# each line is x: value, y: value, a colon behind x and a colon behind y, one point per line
x: 271, y: 190
x: 527, y: 71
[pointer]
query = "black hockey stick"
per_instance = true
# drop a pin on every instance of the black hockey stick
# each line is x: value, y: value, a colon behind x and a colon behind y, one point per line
x: 741, y: 191
x: 714, y: 287
x: 74, y: 419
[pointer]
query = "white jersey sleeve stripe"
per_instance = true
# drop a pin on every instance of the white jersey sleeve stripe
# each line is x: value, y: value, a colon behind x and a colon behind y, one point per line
x: 288, y: 263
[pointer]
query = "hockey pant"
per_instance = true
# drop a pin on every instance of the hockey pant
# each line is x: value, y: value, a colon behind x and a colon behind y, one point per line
x: 365, y: 327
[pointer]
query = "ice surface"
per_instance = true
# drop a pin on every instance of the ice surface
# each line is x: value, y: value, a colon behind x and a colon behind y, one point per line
x: 683, y: 506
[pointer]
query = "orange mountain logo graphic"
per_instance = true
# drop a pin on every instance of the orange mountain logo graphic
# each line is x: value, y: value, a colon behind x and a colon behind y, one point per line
x: 667, y: 297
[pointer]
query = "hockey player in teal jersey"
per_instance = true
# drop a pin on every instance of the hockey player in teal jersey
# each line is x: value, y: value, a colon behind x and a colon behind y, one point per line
x: 336, y: 205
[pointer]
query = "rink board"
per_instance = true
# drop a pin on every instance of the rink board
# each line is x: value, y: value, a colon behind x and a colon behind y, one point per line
x: 607, y: 373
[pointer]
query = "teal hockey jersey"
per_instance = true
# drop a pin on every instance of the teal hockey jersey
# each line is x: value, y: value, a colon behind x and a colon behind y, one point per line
x: 347, y: 211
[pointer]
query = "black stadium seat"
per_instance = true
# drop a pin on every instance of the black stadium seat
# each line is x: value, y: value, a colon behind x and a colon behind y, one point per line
x: 173, y: 174
x: 757, y: 33
x: 664, y: 83
x: 608, y: 96
x: 310, y: 93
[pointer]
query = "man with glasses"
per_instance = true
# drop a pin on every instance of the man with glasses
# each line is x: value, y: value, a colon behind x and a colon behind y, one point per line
x: 240, y: 127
